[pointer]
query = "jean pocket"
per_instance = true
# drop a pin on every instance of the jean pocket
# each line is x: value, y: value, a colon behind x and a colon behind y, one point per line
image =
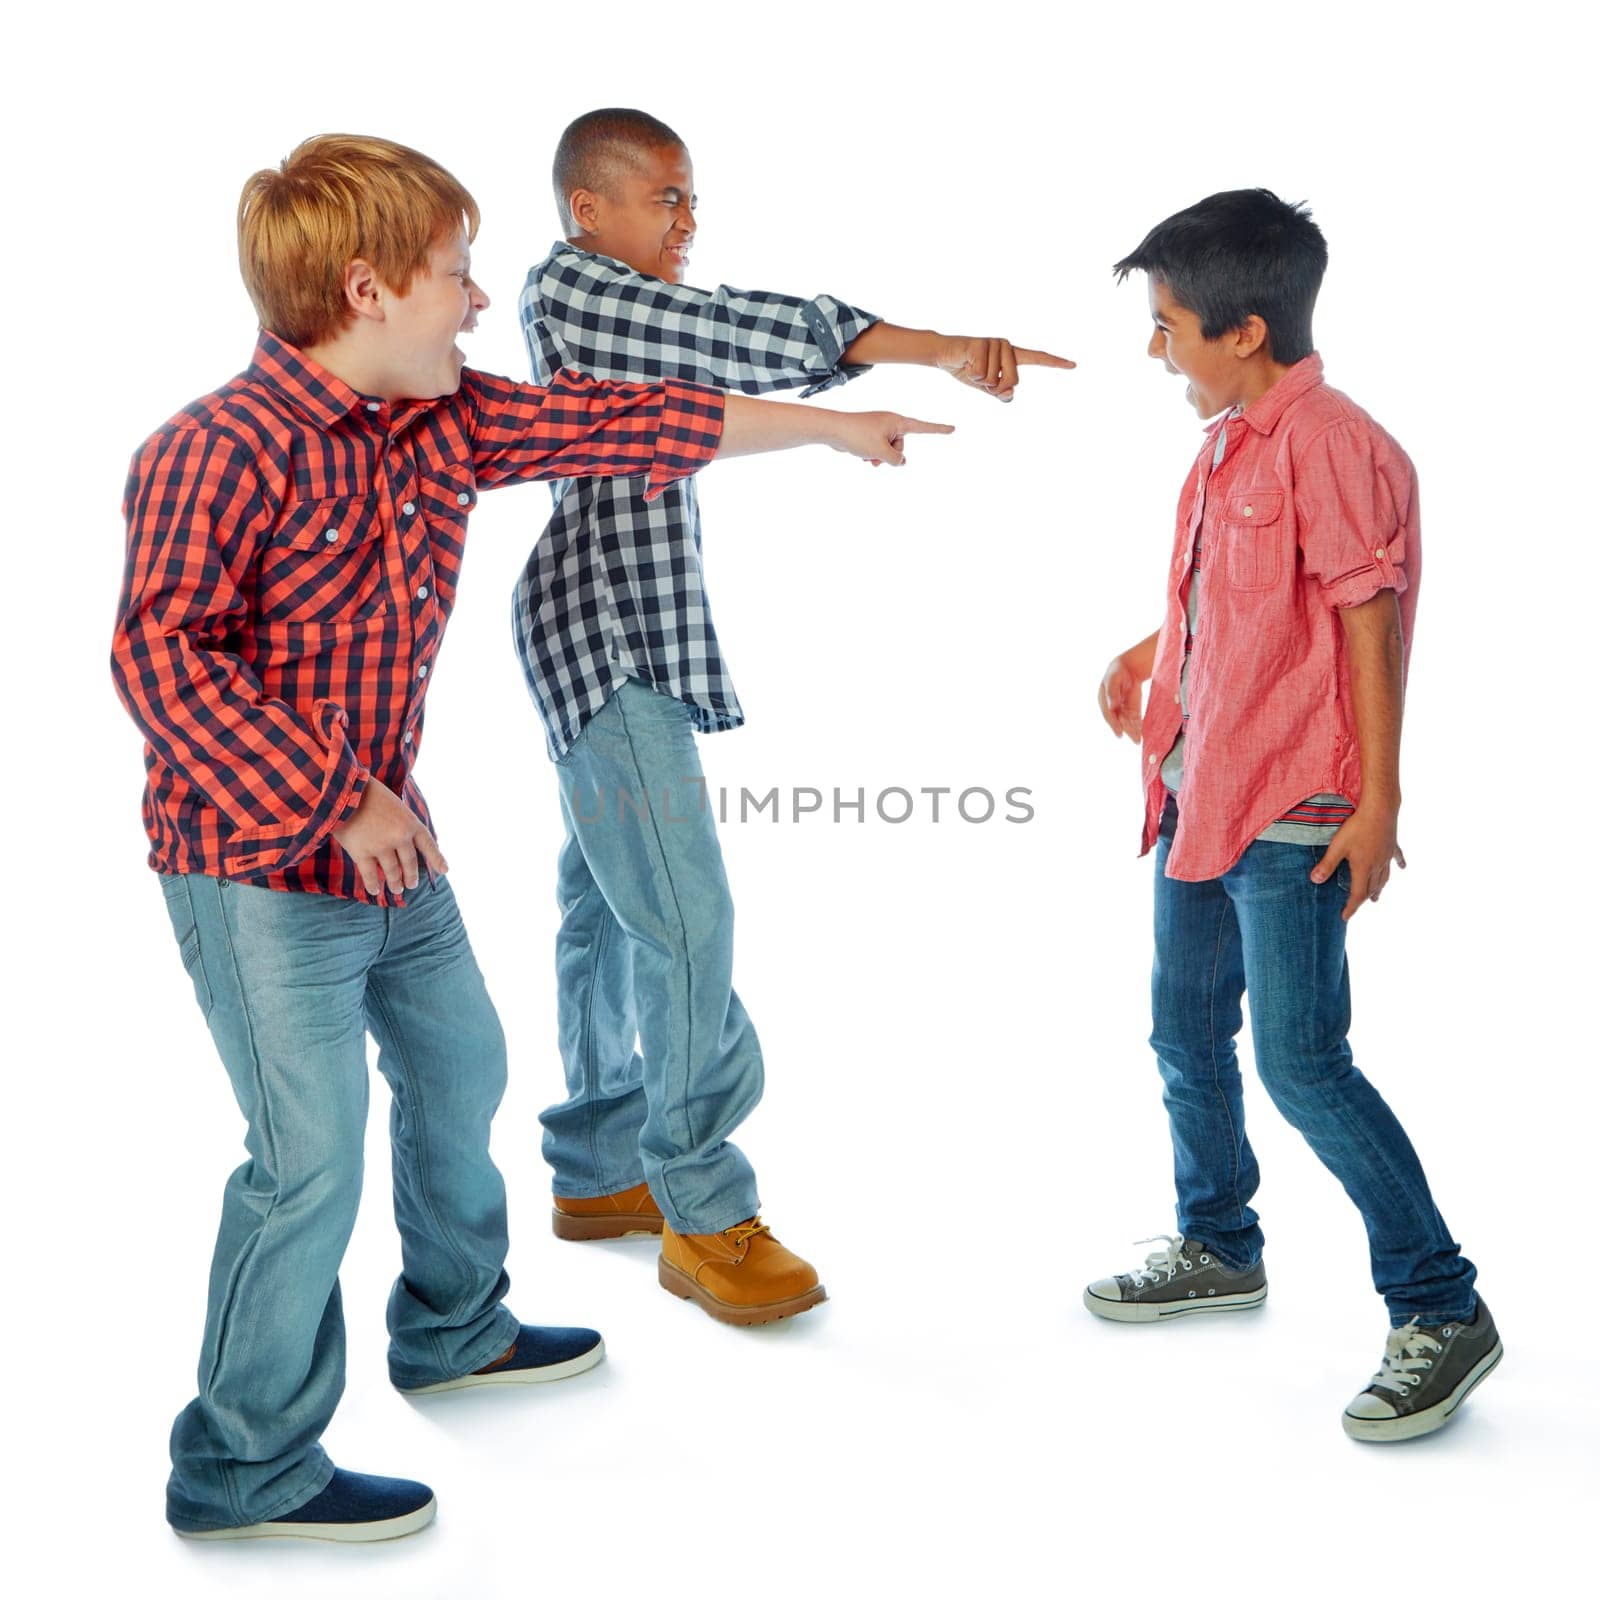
x: 180, y: 908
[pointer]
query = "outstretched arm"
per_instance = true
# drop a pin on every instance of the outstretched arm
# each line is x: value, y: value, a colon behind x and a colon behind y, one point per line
x: 755, y: 427
x: 600, y: 316
x: 578, y: 427
x: 989, y: 364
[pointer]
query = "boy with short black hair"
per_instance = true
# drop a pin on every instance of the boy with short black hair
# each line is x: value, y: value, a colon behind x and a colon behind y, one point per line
x: 1271, y: 767
x: 294, y: 542
x: 615, y: 636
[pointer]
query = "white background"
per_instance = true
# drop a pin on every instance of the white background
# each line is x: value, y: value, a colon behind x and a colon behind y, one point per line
x: 963, y: 1121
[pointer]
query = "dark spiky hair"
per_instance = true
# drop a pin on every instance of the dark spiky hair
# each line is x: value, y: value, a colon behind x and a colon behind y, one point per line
x: 1239, y: 254
x: 599, y: 147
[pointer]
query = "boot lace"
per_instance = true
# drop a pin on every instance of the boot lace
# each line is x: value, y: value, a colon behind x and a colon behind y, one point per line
x: 1405, y: 1358
x: 736, y: 1236
x: 1164, y: 1264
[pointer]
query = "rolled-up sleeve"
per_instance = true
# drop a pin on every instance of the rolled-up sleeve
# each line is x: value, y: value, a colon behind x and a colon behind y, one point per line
x: 280, y: 781
x: 1352, y: 509
x: 580, y: 427
x: 606, y: 318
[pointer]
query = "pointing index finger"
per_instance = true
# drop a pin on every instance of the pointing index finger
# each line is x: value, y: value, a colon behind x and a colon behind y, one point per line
x: 912, y: 425
x: 1040, y: 358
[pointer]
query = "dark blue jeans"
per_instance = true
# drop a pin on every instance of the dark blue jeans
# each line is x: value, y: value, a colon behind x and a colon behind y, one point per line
x: 1265, y: 927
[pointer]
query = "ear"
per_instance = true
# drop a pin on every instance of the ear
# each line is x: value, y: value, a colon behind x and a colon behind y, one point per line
x: 585, y: 207
x: 364, y: 290
x: 1250, y: 336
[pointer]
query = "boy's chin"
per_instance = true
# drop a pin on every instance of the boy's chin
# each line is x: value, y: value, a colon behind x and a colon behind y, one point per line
x: 449, y: 379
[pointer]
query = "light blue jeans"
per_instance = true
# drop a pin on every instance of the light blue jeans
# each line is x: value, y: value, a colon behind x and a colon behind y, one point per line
x: 290, y: 984
x: 661, y: 1062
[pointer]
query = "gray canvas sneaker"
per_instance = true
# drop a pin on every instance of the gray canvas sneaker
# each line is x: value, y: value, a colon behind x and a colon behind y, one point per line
x: 1181, y: 1277
x: 1426, y: 1374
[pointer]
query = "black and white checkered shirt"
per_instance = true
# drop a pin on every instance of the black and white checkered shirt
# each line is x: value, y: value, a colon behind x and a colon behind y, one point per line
x: 613, y: 588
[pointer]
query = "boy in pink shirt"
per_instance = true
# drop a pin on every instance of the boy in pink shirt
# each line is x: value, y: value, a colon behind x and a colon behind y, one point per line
x: 1271, y: 748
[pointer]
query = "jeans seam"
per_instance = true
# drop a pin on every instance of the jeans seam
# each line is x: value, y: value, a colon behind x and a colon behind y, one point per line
x: 1342, y: 1106
x: 375, y: 989
x: 688, y: 972
x: 1211, y: 1028
x: 224, y: 1470
x: 590, y: 1079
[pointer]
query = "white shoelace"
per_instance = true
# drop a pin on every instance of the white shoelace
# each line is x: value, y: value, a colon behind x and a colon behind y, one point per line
x: 1161, y: 1265
x: 1405, y: 1358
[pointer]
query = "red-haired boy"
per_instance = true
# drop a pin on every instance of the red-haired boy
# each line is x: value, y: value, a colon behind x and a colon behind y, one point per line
x: 294, y: 542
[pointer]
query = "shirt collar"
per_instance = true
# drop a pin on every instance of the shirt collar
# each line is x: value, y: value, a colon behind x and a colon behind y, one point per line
x: 309, y: 388
x: 1263, y: 413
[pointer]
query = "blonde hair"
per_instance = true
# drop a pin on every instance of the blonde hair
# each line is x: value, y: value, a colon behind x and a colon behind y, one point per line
x: 337, y: 198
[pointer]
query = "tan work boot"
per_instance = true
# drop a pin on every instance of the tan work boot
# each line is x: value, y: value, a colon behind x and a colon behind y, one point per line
x: 606, y: 1216
x: 741, y: 1275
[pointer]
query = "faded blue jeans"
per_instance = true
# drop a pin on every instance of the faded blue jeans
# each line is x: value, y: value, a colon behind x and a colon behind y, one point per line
x: 1266, y: 928
x: 290, y: 984
x: 661, y: 1062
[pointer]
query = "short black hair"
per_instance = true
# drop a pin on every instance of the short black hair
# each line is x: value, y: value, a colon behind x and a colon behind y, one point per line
x: 599, y: 146
x: 1239, y: 254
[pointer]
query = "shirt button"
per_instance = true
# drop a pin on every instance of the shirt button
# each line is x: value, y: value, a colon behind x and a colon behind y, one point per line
x: 374, y: 405
x: 463, y: 499
x: 407, y: 739
x: 1177, y: 699
x: 1249, y: 511
x: 408, y: 508
x: 1151, y: 760
x: 1380, y: 552
x: 422, y: 671
x: 422, y: 592
x: 332, y: 535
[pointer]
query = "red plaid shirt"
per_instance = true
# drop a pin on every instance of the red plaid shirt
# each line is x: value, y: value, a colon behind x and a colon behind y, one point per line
x: 1312, y: 507
x: 293, y: 551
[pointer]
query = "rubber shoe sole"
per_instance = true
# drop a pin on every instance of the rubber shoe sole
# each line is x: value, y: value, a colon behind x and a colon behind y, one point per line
x: 556, y: 1370
x: 1388, y: 1430
x: 676, y: 1281
x: 1159, y: 1311
x: 335, y: 1532
x: 615, y: 1225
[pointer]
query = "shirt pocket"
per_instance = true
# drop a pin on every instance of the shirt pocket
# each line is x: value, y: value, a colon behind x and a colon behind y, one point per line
x: 449, y: 494
x: 325, y: 563
x: 1252, y: 531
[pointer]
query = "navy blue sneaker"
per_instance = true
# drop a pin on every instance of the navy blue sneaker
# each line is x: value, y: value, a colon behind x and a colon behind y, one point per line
x: 354, y: 1508
x: 540, y: 1355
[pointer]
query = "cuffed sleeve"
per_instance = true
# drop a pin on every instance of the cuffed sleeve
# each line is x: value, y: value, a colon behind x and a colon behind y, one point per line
x: 279, y: 782
x: 580, y: 427
x: 1352, y: 511
x: 835, y: 327
x: 603, y: 317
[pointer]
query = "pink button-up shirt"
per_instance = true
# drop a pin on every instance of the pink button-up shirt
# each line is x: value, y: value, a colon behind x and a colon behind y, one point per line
x: 1311, y: 507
